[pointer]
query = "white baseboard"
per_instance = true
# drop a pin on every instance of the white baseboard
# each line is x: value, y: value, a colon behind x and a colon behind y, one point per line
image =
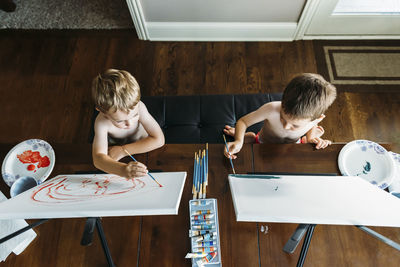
x: 220, y: 31
x: 350, y: 37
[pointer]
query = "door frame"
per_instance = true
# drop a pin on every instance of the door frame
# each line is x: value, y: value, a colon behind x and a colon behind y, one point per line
x: 305, y: 20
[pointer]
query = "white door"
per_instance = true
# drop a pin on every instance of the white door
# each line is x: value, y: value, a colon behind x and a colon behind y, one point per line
x: 353, y: 18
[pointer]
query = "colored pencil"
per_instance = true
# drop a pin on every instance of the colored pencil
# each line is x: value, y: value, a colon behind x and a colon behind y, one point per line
x: 126, y: 151
x: 227, y: 149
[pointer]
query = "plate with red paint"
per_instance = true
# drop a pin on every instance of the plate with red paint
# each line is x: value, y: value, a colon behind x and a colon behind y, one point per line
x: 33, y: 157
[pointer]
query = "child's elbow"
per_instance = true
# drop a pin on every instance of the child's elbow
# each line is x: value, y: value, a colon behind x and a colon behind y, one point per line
x: 161, y: 141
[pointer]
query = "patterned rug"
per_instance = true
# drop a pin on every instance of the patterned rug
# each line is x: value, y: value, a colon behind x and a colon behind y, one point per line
x: 67, y: 14
x: 360, y: 65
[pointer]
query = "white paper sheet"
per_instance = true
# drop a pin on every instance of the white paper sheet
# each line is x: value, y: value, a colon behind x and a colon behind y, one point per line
x: 97, y: 195
x: 343, y: 200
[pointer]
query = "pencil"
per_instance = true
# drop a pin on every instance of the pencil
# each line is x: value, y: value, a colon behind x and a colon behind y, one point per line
x: 126, y: 151
x: 227, y: 149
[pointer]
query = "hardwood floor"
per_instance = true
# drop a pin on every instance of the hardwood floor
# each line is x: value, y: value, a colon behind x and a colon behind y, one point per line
x: 45, y: 79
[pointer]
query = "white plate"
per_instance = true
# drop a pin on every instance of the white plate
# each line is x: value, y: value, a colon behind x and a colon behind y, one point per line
x: 37, y: 164
x: 394, y: 187
x: 368, y: 160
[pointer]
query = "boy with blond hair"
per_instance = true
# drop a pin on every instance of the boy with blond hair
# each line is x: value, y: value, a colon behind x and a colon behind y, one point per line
x: 124, y: 122
x: 294, y: 119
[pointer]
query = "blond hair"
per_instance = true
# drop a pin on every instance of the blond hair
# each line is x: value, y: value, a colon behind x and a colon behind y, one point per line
x: 115, y: 90
x: 307, y: 96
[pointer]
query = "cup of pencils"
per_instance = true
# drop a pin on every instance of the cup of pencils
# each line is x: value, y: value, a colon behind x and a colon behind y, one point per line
x: 200, y: 174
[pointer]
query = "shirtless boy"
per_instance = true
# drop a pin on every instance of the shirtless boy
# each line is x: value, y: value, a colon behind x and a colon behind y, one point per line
x: 123, y: 122
x: 294, y: 119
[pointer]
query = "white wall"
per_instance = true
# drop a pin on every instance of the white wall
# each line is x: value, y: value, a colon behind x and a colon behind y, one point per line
x: 216, y: 20
x: 222, y: 10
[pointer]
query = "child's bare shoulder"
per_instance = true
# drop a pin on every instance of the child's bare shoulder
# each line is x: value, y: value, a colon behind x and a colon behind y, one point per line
x: 101, y: 123
x: 271, y: 106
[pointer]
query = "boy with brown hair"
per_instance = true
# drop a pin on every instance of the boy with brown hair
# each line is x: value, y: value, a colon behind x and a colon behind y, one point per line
x: 294, y: 119
x: 124, y: 122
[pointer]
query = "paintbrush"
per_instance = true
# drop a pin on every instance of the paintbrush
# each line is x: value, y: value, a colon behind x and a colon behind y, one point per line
x: 227, y: 149
x: 126, y: 151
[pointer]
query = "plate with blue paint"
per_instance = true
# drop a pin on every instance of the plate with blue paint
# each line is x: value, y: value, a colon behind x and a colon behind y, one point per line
x: 368, y: 160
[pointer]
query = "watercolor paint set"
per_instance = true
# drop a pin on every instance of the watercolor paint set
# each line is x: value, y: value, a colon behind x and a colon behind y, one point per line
x: 204, y: 233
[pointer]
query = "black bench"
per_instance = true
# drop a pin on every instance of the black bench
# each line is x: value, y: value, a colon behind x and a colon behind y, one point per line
x: 201, y: 118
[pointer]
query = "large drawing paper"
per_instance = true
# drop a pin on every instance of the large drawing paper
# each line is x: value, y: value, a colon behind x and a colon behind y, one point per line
x: 343, y: 200
x: 97, y: 195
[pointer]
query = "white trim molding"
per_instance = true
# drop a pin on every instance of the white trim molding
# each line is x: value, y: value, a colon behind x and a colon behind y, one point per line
x: 220, y: 31
x: 137, y: 14
x: 305, y: 18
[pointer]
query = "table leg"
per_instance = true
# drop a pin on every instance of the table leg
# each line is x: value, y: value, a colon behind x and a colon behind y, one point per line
x: 306, y: 244
x: 104, y: 242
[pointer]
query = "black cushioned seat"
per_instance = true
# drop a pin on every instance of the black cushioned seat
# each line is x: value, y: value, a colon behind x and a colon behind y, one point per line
x: 201, y: 118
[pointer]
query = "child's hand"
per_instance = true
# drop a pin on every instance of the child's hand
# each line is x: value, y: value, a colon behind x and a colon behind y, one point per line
x: 135, y: 169
x: 116, y: 152
x: 315, y: 132
x: 234, y: 147
x: 320, y: 143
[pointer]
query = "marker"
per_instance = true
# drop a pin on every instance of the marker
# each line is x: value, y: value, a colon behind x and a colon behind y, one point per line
x: 126, y: 151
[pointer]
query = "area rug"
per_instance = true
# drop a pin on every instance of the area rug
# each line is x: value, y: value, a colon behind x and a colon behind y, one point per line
x: 360, y: 65
x: 70, y: 14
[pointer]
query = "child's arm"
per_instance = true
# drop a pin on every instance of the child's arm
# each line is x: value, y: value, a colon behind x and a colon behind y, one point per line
x: 240, y: 129
x: 104, y: 162
x: 155, y: 138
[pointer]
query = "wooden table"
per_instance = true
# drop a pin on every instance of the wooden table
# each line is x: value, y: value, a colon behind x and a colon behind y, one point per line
x: 164, y: 241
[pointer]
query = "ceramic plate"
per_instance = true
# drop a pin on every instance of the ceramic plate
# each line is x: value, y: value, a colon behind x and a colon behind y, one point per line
x: 368, y: 160
x: 394, y: 187
x: 33, y: 157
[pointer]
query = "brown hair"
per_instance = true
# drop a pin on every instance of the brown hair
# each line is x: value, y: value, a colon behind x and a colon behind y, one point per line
x: 308, y: 96
x: 115, y: 90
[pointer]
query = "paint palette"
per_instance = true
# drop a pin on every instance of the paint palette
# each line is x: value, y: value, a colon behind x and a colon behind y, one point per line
x: 33, y: 157
x: 368, y: 160
x: 204, y: 232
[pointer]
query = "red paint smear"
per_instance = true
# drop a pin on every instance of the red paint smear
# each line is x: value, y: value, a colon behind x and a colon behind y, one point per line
x: 30, y: 156
x: 58, y: 190
x: 31, y: 167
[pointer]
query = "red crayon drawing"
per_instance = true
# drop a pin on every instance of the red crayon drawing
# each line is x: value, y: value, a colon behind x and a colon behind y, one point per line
x: 31, y: 157
x: 65, y: 189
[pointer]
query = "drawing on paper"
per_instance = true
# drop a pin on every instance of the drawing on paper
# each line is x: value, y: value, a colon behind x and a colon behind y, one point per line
x: 72, y: 189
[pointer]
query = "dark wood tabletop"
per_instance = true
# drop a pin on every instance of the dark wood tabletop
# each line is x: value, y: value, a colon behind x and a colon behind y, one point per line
x: 164, y: 241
